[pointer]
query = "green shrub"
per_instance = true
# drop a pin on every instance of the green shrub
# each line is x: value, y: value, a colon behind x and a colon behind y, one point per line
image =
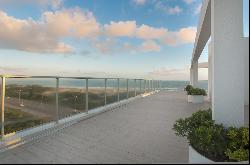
x: 197, y: 91
x: 183, y: 127
x: 238, y: 147
x: 188, y: 88
x: 212, y: 140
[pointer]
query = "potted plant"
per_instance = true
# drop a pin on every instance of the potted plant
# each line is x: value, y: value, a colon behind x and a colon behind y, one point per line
x: 210, y: 142
x: 188, y: 88
x: 197, y: 95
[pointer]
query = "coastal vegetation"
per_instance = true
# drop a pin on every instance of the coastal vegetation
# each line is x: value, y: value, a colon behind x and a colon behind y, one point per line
x: 39, y: 103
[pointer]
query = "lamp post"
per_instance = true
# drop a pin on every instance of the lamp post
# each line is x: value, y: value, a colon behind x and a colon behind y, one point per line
x: 19, y: 98
x: 75, y: 104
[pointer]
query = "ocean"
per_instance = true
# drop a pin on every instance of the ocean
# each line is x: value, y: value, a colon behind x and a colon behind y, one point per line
x: 76, y: 83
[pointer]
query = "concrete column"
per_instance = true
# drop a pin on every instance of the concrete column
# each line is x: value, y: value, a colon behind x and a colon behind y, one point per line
x: 195, y: 73
x: 227, y: 62
x: 209, y: 72
x: 191, y: 76
x: 246, y: 53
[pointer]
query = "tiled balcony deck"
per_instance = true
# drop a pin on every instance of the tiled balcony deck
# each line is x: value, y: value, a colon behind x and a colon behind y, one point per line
x: 139, y: 133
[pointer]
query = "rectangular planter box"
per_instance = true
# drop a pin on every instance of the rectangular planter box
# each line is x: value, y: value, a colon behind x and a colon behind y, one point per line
x: 189, y: 98
x: 194, y: 158
x: 195, y: 98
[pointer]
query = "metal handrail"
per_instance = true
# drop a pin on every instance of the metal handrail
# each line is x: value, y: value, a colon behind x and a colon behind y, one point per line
x: 149, y: 85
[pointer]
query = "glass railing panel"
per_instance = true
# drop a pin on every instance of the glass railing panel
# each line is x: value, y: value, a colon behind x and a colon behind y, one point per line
x: 0, y: 107
x: 111, y: 91
x: 131, y: 87
x: 96, y: 93
x: 123, y: 89
x: 29, y: 102
x: 71, y: 97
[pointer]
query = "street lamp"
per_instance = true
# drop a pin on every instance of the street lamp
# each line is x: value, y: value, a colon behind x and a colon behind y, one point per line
x: 19, y: 98
x: 75, y: 104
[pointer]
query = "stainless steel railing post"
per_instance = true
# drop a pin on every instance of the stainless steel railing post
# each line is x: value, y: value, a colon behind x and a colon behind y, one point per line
x: 140, y: 86
x: 2, y: 106
x: 148, y: 85
x: 127, y: 89
x: 151, y: 85
x: 87, y: 97
x: 105, y: 91
x: 144, y: 85
x: 135, y: 86
x: 118, y: 89
x: 57, y: 100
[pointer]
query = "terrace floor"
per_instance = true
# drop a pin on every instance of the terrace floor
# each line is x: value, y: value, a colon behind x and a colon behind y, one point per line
x: 141, y: 132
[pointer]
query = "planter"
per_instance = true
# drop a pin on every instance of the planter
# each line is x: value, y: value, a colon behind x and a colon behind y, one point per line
x: 197, y: 98
x: 195, y: 157
x: 189, y: 98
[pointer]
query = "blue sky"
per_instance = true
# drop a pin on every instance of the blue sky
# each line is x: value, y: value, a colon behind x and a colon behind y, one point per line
x: 122, y: 38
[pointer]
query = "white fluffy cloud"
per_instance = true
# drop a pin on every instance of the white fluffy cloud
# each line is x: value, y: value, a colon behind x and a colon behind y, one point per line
x: 198, y: 9
x: 111, y: 46
x: 159, y: 5
x: 139, y: 2
x: 44, y: 36
x: 121, y: 29
x: 54, y: 4
x: 176, y: 74
x: 182, y: 36
x: 145, y: 32
x: 188, y: 1
x: 150, y: 46
x: 174, y: 10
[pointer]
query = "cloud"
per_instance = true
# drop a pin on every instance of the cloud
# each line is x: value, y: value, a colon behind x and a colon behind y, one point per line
x: 198, y: 9
x: 12, y: 70
x: 169, y: 10
x: 176, y: 74
x: 182, y: 36
x: 44, y: 35
x: 53, y: 4
x: 120, y: 29
x: 150, y: 46
x: 139, y: 2
x: 105, y: 46
x: 174, y: 10
x: 110, y: 46
x: 147, y: 32
x: 188, y: 1
x: 131, y: 29
x: 170, y: 74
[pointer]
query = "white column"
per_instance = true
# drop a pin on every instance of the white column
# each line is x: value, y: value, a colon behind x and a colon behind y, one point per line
x: 246, y: 53
x: 195, y: 73
x: 191, y: 76
x: 228, y: 62
x: 209, y: 72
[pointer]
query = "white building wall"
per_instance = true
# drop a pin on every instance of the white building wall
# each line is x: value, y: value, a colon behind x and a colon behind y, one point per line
x: 195, y: 72
x: 246, y: 53
x: 227, y: 62
x: 210, y: 81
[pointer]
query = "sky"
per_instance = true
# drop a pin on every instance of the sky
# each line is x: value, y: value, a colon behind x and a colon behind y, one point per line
x: 101, y: 38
